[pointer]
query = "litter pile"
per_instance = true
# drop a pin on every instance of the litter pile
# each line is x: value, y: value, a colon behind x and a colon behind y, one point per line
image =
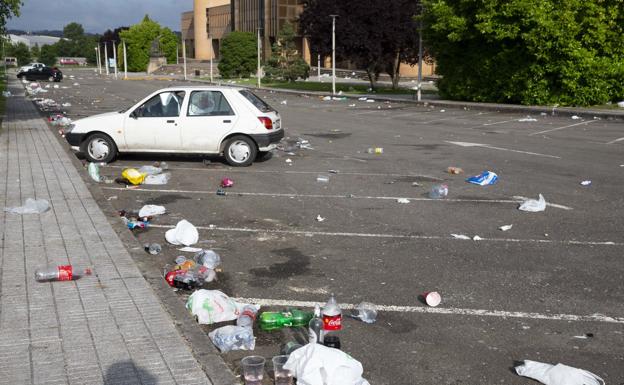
x: 150, y: 175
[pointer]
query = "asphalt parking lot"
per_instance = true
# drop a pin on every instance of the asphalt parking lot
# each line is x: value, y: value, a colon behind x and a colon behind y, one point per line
x: 527, y: 293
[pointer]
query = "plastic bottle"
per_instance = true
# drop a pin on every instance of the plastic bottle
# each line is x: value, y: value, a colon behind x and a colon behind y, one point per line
x: 271, y: 320
x: 247, y: 317
x: 153, y: 248
x: 438, y: 191
x: 332, y: 315
x: 315, y: 327
x: 61, y: 273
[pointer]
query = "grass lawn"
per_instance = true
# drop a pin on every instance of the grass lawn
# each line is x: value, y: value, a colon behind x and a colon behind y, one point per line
x: 325, y: 87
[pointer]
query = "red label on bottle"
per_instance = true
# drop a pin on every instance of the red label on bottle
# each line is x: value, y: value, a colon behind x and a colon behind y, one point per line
x: 65, y: 273
x: 333, y: 322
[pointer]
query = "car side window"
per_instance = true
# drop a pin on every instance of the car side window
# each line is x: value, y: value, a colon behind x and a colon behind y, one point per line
x: 208, y: 103
x: 163, y: 105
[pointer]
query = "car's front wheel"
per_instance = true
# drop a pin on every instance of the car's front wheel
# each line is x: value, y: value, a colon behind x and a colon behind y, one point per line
x: 99, y: 148
x: 240, y: 151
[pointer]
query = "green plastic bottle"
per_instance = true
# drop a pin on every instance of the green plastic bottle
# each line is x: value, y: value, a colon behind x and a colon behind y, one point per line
x: 273, y: 320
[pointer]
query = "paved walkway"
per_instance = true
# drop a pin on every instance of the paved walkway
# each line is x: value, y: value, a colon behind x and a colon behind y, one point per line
x: 105, y: 329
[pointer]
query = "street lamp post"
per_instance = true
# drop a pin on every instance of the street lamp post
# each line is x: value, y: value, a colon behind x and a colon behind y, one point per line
x: 184, y: 58
x: 106, y: 58
x: 259, y: 48
x: 333, y: 53
x: 115, y: 56
x: 420, y: 56
x: 97, y: 58
x: 211, y: 55
x: 125, y: 60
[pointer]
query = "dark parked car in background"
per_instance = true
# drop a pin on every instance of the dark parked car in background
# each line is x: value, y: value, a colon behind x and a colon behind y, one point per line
x: 42, y: 73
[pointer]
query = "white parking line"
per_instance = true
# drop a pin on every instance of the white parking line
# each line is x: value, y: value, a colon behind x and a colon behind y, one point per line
x: 393, y: 236
x: 456, y: 117
x: 468, y: 144
x: 515, y: 200
x: 615, y: 141
x: 561, y: 128
x: 442, y: 310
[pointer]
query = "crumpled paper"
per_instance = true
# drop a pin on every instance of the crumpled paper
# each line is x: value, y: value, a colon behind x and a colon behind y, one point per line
x: 559, y: 374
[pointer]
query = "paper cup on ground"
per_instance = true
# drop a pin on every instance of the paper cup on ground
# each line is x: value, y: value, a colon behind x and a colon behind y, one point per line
x: 432, y: 298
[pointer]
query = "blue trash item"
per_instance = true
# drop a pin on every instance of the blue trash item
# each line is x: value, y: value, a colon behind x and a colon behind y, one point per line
x: 484, y: 179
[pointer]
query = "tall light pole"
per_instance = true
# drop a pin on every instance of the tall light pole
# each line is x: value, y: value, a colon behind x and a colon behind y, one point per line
x: 333, y: 53
x: 184, y: 57
x: 115, y: 56
x: 420, y: 55
x: 318, y: 67
x: 211, y: 55
x: 97, y: 58
x: 259, y: 48
x: 106, y: 58
x: 125, y: 60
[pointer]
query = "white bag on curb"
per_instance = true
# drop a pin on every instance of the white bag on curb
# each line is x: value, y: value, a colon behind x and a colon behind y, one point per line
x: 315, y: 364
x: 151, y: 210
x: 183, y: 234
x: 158, y: 179
x: 533, y: 206
x: 212, y: 306
x: 557, y: 374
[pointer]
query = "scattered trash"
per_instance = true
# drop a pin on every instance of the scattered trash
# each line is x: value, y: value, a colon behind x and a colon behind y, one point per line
x: 484, y: 179
x: 150, y: 170
x: 362, y: 99
x: 332, y: 341
x: 454, y: 170
x: 322, y: 178
x: 6, y: 94
x: 460, y: 236
x: 221, y: 192
x: 527, y: 119
x: 151, y: 210
x: 333, y: 171
x: 94, y: 172
x: 133, y: 176
x: 370, y: 100
x: 253, y: 369
x: 209, y: 261
x: 557, y: 374
x: 365, y: 312
x: 432, y: 298
x: 332, y: 315
x: 327, y: 98
x: 403, y: 200
x: 375, y: 150
x: 183, y: 234
x: 505, y: 227
x: 32, y: 206
x: 76, y: 84
x: 189, y: 249
x: 158, y: 179
x: 153, y: 248
x: 288, y: 161
x: 620, y: 104
x: 227, y: 182
x: 231, y: 337
x: 532, y: 205
x: 275, y: 320
x: 61, y: 273
x: 247, y: 316
x: 112, y: 197
x: 315, y: 364
x: 136, y: 224
x: 352, y: 105
x: 319, y: 218
x: 212, y: 306
x: 477, y: 238
x: 66, y: 104
x: 182, y: 278
x: 284, y: 102
x: 584, y: 336
x: 438, y: 191
x: 442, y: 110
x: 315, y: 328
x: 575, y: 117
x: 586, y: 183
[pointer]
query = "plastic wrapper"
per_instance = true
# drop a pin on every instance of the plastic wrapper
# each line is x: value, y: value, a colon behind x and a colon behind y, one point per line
x: 32, y: 206
x: 133, y: 176
x: 232, y: 337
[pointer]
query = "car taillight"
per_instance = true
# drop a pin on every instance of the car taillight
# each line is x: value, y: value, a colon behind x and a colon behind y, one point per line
x: 268, y: 123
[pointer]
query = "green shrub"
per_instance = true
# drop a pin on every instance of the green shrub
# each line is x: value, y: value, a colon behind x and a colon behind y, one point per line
x: 238, y: 55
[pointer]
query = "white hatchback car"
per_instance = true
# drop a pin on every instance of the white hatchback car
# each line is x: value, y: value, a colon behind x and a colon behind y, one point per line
x: 195, y: 120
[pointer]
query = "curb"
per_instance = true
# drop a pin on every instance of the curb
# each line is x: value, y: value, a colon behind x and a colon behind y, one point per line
x: 201, y: 346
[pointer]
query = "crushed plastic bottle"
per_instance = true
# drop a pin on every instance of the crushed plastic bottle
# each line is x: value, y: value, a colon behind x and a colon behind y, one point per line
x: 61, y: 273
x: 438, y: 191
x: 153, y: 248
x: 232, y: 337
x: 247, y: 317
x: 365, y: 312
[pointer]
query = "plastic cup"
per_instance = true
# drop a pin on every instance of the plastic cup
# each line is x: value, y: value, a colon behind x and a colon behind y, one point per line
x: 282, y: 376
x: 432, y: 298
x: 253, y: 369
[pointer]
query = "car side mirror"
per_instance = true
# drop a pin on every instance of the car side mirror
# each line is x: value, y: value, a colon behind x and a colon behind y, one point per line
x: 134, y: 114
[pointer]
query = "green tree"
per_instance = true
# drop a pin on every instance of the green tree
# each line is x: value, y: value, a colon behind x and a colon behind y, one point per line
x: 566, y: 52
x: 73, y: 31
x: 48, y: 54
x: 20, y: 51
x: 238, y: 55
x: 286, y: 61
x: 8, y: 9
x: 139, y: 38
x: 35, y: 52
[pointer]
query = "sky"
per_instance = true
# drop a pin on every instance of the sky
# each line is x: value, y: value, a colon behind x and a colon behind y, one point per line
x: 97, y: 16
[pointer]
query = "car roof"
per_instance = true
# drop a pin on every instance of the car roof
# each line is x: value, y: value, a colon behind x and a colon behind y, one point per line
x: 200, y: 88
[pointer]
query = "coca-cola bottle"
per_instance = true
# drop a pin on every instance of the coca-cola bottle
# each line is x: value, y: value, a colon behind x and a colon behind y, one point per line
x: 332, y: 315
x: 61, y: 273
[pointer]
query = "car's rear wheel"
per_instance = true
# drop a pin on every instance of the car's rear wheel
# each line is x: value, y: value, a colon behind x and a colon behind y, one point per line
x: 99, y: 148
x: 240, y: 151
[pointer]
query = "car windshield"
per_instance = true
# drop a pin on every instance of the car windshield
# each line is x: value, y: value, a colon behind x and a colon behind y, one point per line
x: 256, y: 101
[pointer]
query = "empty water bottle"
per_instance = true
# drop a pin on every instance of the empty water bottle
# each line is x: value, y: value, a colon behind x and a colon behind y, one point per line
x: 61, y: 273
x: 438, y: 191
x: 232, y: 337
x: 164, y: 166
x: 247, y: 317
x: 365, y: 312
x: 153, y: 248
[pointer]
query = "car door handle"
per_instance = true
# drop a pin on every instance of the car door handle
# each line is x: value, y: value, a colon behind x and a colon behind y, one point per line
x: 170, y: 121
x: 227, y: 121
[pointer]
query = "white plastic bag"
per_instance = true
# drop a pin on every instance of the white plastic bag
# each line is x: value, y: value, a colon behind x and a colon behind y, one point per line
x: 150, y: 170
x: 533, y: 205
x: 557, y: 374
x: 212, y: 306
x: 157, y: 178
x: 315, y: 364
x: 94, y: 172
x: 151, y: 210
x: 32, y: 206
x: 183, y: 234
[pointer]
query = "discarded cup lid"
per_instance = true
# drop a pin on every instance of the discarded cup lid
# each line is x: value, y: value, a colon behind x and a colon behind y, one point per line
x: 432, y: 298
x: 180, y: 259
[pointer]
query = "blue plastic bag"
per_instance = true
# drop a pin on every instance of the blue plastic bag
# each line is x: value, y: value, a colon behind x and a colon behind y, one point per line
x: 484, y: 179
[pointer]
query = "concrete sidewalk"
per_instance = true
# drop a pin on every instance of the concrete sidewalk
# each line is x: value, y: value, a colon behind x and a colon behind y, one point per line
x: 105, y: 329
